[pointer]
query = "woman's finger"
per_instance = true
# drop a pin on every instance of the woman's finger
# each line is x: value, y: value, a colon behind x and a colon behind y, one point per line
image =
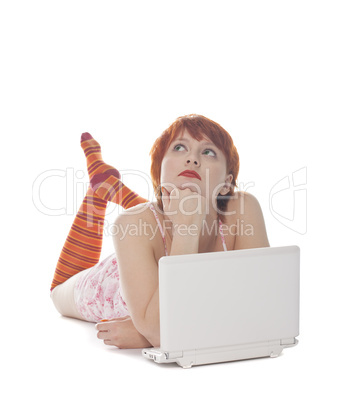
x: 102, y: 335
x: 125, y: 317
x: 165, y: 197
x: 101, y: 326
x: 104, y: 325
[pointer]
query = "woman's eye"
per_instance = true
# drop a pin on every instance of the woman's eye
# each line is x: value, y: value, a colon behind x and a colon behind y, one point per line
x: 178, y: 146
x: 209, y: 152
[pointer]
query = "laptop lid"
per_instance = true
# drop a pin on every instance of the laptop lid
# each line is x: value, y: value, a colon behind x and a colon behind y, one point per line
x: 228, y: 298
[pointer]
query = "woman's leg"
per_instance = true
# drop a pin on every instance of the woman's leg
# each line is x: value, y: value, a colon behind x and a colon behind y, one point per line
x: 82, y: 248
x: 83, y: 244
x: 63, y: 298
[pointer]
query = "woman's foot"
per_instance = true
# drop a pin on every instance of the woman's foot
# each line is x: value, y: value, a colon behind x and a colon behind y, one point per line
x: 95, y: 164
x: 105, y: 179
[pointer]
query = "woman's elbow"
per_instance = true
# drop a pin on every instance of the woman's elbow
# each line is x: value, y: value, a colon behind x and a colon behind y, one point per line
x: 151, y: 334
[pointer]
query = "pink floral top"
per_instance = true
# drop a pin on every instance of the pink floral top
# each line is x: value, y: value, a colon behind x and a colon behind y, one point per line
x: 97, y: 291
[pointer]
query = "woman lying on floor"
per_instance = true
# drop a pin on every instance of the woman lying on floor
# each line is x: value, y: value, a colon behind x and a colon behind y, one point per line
x: 194, y: 171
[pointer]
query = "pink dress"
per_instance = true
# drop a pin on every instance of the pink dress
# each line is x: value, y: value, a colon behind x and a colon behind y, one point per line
x: 97, y: 291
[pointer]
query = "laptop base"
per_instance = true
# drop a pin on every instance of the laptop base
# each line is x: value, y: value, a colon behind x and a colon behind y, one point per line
x: 189, y: 358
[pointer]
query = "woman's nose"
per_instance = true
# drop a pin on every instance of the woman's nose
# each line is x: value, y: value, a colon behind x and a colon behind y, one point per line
x: 193, y: 161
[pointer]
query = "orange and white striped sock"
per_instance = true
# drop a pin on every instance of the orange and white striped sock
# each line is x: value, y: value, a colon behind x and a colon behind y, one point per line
x: 82, y: 247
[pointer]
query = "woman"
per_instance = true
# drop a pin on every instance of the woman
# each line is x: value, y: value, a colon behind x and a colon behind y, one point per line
x: 194, y: 171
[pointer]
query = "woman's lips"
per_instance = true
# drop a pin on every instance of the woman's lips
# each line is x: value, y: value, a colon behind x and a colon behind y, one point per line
x: 190, y: 173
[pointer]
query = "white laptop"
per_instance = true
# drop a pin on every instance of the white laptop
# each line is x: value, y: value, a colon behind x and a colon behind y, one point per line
x: 225, y: 306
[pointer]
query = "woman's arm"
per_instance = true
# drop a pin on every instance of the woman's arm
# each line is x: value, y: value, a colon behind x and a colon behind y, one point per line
x: 138, y: 270
x: 136, y: 257
x: 181, y: 244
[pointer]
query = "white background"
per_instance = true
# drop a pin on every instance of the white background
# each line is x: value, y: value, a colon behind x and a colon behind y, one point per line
x: 267, y: 71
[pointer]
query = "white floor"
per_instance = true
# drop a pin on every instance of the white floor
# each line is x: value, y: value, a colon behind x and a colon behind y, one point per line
x: 48, y: 356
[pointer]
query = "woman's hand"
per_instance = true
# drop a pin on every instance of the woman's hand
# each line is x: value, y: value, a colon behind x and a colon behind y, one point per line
x: 122, y: 333
x: 185, y: 208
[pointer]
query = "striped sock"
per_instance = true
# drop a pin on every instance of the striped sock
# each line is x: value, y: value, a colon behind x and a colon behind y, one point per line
x: 105, y: 179
x: 82, y: 247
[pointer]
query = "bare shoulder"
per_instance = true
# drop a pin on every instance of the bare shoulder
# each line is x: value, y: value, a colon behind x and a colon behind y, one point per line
x: 242, y: 203
x: 136, y: 228
x: 245, y: 212
x: 136, y: 214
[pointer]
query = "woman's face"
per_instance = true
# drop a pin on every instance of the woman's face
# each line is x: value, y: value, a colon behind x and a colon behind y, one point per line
x: 200, y: 157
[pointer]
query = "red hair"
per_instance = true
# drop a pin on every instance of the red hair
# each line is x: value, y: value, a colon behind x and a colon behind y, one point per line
x: 198, y: 127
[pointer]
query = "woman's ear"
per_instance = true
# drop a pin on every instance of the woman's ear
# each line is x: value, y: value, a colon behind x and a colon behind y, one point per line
x: 225, y: 189
x: 227, y: 186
